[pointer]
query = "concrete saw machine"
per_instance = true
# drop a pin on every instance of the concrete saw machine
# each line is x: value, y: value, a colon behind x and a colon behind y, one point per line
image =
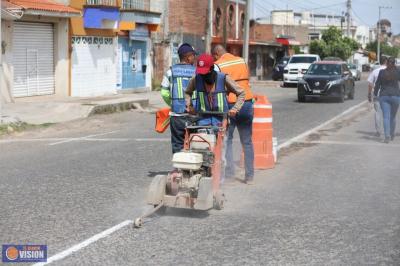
x: 199, y: 167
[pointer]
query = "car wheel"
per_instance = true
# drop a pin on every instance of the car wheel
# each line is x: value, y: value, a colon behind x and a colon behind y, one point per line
x: 342, y: 95
x: 351, y: 94
x: 300, y: 95
x: 301, y: 98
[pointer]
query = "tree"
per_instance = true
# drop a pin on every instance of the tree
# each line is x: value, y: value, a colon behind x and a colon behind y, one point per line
x: 318, y: 47
x: 333, y: 44
x: 385, y: 48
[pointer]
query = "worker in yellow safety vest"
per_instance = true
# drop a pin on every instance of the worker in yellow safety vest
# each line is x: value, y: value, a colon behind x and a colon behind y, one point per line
x: 236, y: 68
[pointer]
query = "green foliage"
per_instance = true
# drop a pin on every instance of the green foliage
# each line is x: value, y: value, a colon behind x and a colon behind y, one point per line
x: 318, y: 47
x: 385, y: 49
x: 333, y: 44
x: 297, y: 50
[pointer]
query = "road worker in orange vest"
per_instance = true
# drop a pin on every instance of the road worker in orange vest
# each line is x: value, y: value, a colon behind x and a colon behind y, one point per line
x: 236, y: 68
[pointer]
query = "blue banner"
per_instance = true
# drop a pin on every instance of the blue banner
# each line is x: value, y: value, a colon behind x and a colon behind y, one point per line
x: 24, y: 253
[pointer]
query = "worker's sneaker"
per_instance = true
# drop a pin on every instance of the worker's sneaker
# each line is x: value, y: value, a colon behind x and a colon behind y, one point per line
x: 386, y: 140
x: 228, y: 180
x: 250, y: 182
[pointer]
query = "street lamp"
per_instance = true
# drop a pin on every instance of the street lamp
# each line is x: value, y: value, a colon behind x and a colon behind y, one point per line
x: 379, y: 32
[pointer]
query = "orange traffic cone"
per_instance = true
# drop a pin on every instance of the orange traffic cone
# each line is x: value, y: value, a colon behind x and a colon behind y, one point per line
x: 263, y: 133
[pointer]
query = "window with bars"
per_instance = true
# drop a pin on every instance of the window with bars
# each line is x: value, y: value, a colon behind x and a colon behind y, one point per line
x: 102, y: 2
x: 136, y: 4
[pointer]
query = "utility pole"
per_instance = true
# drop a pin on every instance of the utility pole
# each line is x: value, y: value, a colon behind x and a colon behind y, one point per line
x: 247, y: 31
x: 1, y: 73
x: 378, y: 53
x: 224, y: 21
x: 348, y: 15
x: 209, y: 26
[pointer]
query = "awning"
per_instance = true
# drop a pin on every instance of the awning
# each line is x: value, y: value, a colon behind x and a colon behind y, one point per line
x: 287, y: 42
x: 144, y: 17
x: 10, y: 11
x: 41, y: 7
x: 276, y: 44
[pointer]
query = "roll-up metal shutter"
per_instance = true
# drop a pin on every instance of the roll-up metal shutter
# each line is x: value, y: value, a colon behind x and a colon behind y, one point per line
x: 33, y: 59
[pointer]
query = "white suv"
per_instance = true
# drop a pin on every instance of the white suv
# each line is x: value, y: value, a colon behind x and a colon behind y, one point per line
x: 297, y: 66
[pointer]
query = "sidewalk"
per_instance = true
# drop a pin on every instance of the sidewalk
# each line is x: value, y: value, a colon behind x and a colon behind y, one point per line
x: 51, y: 109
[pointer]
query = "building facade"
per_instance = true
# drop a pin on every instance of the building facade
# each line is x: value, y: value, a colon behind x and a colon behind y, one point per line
x: 35, y: 48
x: 111, y: 45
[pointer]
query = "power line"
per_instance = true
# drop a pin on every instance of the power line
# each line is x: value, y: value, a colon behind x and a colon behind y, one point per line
x: 265, y: 10
x: 358, y: 17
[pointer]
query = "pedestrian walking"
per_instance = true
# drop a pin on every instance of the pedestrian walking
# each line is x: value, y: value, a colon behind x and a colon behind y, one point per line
x: 373, y: 76
x: 236, y: 68
x: 388, y: 91
x: 173, y: 87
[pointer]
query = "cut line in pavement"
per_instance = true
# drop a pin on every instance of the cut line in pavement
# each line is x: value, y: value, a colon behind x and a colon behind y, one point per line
x: 107, y: 232
x: 350, y: 143
x: 315, y: 129
x: 82, y: 138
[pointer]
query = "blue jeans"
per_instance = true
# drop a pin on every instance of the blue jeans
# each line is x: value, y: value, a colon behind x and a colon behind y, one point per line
x: 389, y: 106
x: 244, y: 123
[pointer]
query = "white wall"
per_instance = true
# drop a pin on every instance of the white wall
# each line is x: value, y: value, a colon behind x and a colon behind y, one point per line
x: 61, y: 58
x: 362, y: 35
x: 284, y: 17
x: 6, y: 81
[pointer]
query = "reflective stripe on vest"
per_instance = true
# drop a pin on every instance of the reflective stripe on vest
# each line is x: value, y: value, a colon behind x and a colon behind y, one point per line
x: 231, y: 63
x: 237, y: 70
x: 218, y: 96
x: 181, y: 75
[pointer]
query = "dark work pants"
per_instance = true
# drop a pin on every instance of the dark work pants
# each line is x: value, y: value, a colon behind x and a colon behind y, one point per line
x: 243, y: 121
x: 177, y: 126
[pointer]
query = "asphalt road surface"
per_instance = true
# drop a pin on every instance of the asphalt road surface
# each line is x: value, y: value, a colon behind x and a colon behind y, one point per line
x: 64, y: 184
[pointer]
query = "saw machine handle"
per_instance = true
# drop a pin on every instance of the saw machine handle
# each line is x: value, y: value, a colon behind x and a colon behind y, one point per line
x: 194, y: 135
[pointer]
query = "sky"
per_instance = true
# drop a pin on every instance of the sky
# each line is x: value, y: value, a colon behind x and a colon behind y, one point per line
x: 364, y: 12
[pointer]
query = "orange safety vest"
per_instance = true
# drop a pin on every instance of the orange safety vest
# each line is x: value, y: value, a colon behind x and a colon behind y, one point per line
x: 237, y: 69
x: 162, y: 119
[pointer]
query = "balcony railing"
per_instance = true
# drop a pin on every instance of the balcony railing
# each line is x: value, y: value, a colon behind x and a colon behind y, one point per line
x: 102, y: 2
x: 136, y: 4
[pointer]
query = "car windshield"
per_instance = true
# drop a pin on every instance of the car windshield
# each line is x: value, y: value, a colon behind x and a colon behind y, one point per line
x: 352, y: 66
x: 324, y: 69
x: 302, y: 59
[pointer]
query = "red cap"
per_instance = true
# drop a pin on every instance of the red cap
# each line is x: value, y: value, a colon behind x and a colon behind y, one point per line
x: 204, y: 64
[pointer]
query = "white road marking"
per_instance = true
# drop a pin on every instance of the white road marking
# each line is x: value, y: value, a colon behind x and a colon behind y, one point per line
x: 153, y: 139
x: 315, y: 129
x: 354, y: 143
x: 85, y: 243
x: 111, y: 230
x: 87, y: 138
x: 31, y: 140
x: 82, y: 138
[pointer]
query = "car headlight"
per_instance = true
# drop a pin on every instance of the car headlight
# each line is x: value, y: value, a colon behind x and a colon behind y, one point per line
x: 333, y: 82
x: 285, y: 71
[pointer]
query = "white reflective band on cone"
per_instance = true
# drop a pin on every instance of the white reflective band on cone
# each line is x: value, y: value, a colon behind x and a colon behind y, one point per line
x: 262, y: 120
x: 262, y: 106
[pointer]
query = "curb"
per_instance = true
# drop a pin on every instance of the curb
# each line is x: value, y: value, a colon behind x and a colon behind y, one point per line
x: 109, y: 108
